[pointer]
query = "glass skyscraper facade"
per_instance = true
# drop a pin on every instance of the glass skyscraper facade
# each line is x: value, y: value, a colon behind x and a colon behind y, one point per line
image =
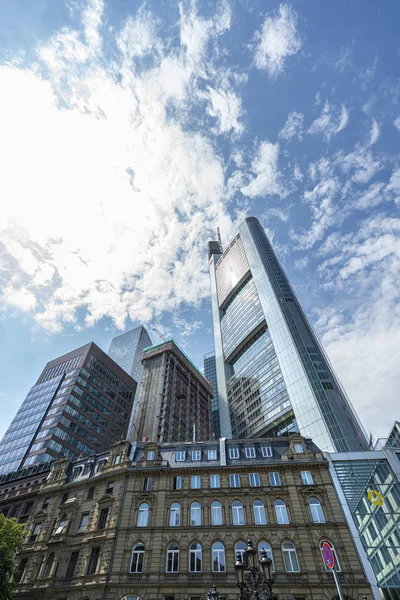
x: 273, y: 376
x: 80, y: 404
x: 126, y: 350
x: 368, y: 485
x: 210, y: 372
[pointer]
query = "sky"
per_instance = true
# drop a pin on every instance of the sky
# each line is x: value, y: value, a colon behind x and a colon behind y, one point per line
x: 130, y: 131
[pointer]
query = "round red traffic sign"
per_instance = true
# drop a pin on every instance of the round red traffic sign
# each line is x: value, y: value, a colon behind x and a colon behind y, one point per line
x: 327, y: 554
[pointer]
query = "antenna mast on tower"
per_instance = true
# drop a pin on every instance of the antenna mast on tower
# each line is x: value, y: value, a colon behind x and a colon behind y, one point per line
x: 219, y: 239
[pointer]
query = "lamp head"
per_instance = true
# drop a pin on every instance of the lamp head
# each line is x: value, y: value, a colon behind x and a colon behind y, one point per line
x: 251, y: 554
x: 239, y: 568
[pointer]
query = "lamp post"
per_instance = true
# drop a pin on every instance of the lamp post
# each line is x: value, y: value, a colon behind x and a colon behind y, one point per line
x: 213, y: 594
x: 254, y: 581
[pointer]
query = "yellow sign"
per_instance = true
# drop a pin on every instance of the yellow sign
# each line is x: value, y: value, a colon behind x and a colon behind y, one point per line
x: 375, y: 498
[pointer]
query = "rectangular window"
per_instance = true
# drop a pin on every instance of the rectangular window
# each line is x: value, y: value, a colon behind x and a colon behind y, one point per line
x: 274, y: 479
x: 195, y: 482
x: 233, y: 452
x: 298, y: 448
x: 254, y: 479
x: 306, y: 478
x: 93, y: 561
x: 196, y: 454
x: 64, y: 498
x: 46, y: 503
x: 212, y: 455
x: 110, y: 487
x: 234, y: 480
x: 180, y: 456
x: 266, y: 451
x: 117, y: 459
x: 215, y: 481
x: 177, y: 483
x: 35, y: 532
x: 103, y: 518
x: 250, y: 452
x: 72, y: 565
x: 84, y: 523
x: 147, y: 484
x: 90, y: 494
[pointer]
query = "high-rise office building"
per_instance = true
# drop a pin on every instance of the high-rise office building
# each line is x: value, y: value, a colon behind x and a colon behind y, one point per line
x: 175, y: 398
x: 126, y: 349
x: 273, y: 375
x: 80, y: 404
x: 210, y: 372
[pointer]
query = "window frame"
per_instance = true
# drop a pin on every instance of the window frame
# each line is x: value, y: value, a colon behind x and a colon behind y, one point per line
x: 266, y: 451
x: 143, y: 512
x: 238, y: 513
x: 259, y: 509
x: 274, y: 475
x: 138, y: 554
x: 316, y: 510
x: 175, y: 480
x: 250, y: 452
x: 196, y: 455
x: 232, y: 477
x: 256, y: 477
x: 215, y: 487
x: 198, y: 514
x: 283, y: 510
x: 179, y: 454
x: 289, y: 552
x: 304, y: 478
x: 193, y: 553
x: 197, y: 479
x: 216, y: 510
x: 175, y: 511
x: 234, y: 453
x: 175, y: 554
x: 214, y: 455
x: 81, y: 529
x: 218, y: 552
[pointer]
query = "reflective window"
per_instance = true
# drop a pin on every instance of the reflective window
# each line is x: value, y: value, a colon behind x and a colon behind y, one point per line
x: 180, y: 456
x: 233, y: 452
x: 265, y: 546
x: 274, y: 479
x: 298, y: 448
x: 195, y: 482
x: 250, y: 452
x: 177, y: 483
x: 61, y: 525
x: 317, y: 513
x: 260, y: 517
x: 306, y: 478
x: 237, y: 513
x: 266, y: 451
x: 234, y: 480
x: 195, y: 514
x: 173, y: 558
x: 151, y: 455
x: 195, y: 558
x: 290, y: 558
x: 254, y: 479
x: 137, y: 558
x: 212, y: 454
x: 240, y: 548
x: 216, y: 513
x: 84, y: 523
x: 218, y: 558
x: 282, y: 517
x: 215, y: 481
x: 175, y: 515
x: 196, y: 454
x: 143, y: 516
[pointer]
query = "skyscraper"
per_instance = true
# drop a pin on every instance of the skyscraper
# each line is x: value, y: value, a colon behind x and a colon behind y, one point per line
x: 80, y: 404
x: 272, y: 373
x: 126, y: 349
x: 210, y: 372
x: 175, y: 398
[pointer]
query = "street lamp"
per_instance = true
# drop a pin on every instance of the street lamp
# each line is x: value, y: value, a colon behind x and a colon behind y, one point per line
x: 213, y: 594
x: 253, y: 582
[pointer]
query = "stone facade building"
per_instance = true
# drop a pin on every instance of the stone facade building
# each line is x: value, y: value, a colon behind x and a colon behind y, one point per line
x: 164, y: 521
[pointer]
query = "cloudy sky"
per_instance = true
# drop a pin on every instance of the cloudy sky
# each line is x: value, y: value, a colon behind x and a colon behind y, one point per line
x: 130, y: 131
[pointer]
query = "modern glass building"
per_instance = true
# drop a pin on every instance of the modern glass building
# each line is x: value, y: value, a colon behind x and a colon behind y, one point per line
x: 368, y: 485
x: 126, y: 350
x: 81, y: 404
x: 210, y: 372
x: 273, y: 375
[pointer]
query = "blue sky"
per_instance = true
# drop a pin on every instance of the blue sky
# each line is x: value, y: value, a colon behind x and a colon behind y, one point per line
x: 130, y: 131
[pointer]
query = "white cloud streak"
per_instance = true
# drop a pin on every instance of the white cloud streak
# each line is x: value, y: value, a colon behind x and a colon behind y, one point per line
x: 328, y: 123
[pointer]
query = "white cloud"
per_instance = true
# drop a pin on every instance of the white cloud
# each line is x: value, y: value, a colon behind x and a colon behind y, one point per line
x: 265, y: 179
x: 110, y: 199
x: 226, y: 107
x: 293, y: 126
x: 329, y: 123
x: 396, y: 123
x: 277, y: 39
x: 361, y: 163
x: 375, y: 132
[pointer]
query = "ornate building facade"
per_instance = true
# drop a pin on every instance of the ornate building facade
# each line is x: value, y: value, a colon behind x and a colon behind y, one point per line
x: 165, y: 521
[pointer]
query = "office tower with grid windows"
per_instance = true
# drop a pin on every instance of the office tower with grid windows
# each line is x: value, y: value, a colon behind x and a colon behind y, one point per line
x: 80, y: 404
x: 210, y: 372
x: 126, y: 350
x: 273, y: 375
x: 175, y: 398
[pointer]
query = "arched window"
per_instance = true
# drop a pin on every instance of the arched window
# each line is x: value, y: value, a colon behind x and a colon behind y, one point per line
x: 195, y: 558
x: 317, y: 514
x: 337, y: 563
x: 218, y: 557
x: 260, y: 517
x: 240, y: 548
x: 265, y: 546
x: 143, y: 515
x: 130, y: 598
x: 290, y: 558
x: 173, y: 558
x: 195, y: 514
x: 175, y: 515
x: 216, y: 513
x: 282, y: 517
x: 137, y: 558
x: 49, y: 565
x: 237, y: 513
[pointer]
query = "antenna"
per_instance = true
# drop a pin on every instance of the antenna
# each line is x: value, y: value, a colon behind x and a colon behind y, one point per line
x: 219, y: 239
x: 158, y: 333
